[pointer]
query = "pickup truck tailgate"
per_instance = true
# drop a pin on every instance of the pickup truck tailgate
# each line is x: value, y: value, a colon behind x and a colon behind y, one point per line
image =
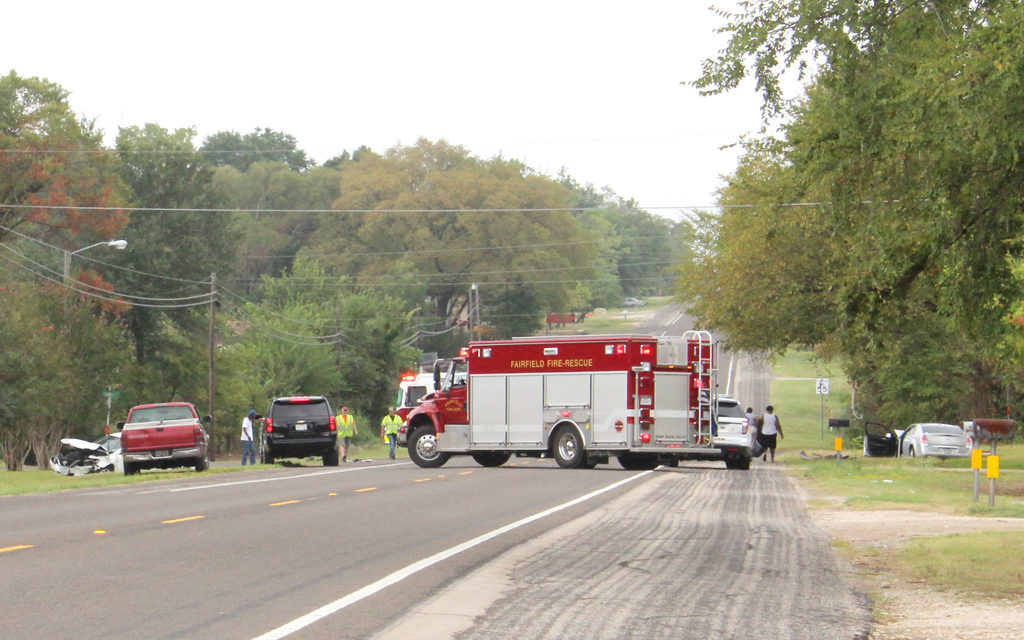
x: 166, y: 434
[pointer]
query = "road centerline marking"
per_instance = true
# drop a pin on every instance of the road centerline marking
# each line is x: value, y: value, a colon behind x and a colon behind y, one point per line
x: 17, y: 547
x: 185, y: 519
x: 281, y: 504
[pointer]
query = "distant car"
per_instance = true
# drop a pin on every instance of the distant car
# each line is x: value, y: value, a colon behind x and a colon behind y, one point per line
x: 79, y: 457
x: 633, y: 302
x: 935, y: 439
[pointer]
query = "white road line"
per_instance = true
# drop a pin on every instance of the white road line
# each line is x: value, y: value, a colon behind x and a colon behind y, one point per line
x: 397, y: 576
x: 296, y: 477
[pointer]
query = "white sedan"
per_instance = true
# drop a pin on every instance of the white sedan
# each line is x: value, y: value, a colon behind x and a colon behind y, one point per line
x: 79, y: 457
x: 935, y: 439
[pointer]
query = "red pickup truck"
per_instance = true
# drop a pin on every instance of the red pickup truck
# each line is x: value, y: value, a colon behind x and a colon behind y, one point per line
x: 163, y: 436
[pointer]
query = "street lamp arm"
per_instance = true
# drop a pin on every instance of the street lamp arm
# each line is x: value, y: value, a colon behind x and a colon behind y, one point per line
x: 116, y: 244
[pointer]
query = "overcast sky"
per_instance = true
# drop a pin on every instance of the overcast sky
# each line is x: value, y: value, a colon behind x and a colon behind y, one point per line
x: 596, y: 87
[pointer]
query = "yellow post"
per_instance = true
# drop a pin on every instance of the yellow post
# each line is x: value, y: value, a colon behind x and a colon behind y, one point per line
x: 976, y: 463
x: 839, y: 443
x: 993, y: 473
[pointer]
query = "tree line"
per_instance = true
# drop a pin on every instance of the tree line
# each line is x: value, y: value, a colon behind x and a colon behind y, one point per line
x: 879, y: 218
x: 323, y: 278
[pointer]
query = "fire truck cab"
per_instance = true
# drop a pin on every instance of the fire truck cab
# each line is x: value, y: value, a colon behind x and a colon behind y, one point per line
x: 581, y: 400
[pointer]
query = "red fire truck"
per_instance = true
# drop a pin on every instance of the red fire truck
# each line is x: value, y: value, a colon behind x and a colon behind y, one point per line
x: 580, y: 400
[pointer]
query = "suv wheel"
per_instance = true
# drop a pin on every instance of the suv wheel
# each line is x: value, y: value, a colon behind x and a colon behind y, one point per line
x: 266, y: 456
x: 331, y: 458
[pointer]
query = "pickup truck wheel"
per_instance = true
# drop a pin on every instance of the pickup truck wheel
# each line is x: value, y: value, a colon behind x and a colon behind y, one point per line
x: 202, y: 464
x: 423, y: 448
x: 568, y: 449
x: 491, y: 459
x: 130, y: 469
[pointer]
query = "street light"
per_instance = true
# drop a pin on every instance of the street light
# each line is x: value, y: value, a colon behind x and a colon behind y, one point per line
x: 116, y: 244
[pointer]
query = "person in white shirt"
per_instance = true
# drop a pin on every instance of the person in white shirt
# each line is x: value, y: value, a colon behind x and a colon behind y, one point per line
x: 770, y: 429
x: 248, y: 446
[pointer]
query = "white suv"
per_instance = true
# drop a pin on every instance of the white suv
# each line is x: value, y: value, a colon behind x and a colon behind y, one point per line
x: 735, y: 436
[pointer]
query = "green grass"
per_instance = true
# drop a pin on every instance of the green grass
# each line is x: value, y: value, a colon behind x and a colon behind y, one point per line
x: 38, y: 481
x: 42, y: 481
x: 971, y: 562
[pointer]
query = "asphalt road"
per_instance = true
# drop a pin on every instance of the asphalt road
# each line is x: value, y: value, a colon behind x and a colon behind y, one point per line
x: 697, y: 551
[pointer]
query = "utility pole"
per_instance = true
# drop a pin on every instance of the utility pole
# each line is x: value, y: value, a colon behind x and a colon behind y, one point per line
x: 212, y: 376
x: 475, y: 332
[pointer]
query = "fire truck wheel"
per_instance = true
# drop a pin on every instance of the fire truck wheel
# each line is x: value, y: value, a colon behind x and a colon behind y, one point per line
x: 638, y: 461
x: 491, y: 459
x: 568, y: 449
x: 423, y: 448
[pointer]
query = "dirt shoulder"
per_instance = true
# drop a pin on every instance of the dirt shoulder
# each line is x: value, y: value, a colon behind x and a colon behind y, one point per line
x: 914, y: 610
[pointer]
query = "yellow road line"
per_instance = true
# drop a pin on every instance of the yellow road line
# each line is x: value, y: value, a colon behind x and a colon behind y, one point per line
x: 279, y: 504
x: 366, y: 489
x: 423, y: 480
x: 17, y: 547
x: 465, y: 473
x: 176, y: 520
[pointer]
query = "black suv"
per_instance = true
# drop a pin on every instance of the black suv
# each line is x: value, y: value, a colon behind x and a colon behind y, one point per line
x: 299, y: 427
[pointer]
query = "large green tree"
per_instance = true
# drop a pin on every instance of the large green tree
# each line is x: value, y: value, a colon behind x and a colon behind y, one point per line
x: 457, y: 220
x: 56, y: 180
x: 232, y: 149
x: 176, y: 241
x: 882, y: 222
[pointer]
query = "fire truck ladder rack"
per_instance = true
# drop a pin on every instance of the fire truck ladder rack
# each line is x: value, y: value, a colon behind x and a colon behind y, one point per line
x: 705, y: 370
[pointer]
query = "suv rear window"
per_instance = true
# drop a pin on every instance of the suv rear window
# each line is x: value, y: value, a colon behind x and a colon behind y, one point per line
x: 286, y: 410
x: 730, y: 410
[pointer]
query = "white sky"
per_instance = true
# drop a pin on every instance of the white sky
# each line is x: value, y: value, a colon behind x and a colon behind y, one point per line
x: 593, y: 86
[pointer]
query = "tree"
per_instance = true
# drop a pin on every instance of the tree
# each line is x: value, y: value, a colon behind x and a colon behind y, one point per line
x: 55, y: 177
x: 173, y: 248
x: 319, y: 340
x: 902, y: 141
x: 458, y: 220
x: 231, y: 149
x: 60, y: 352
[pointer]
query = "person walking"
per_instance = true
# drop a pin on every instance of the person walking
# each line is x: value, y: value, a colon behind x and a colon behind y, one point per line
x: 389, y: 429
x: 346, y: 431
x: 248, y: 446
x: 753, y: 430
x: 770, y: 429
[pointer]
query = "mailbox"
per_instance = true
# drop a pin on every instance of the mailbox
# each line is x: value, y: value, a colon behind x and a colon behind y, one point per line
x: 835, y: 423
x: 994, y: 429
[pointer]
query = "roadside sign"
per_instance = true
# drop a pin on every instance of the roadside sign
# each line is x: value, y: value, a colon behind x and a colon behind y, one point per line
x: 822, y: 386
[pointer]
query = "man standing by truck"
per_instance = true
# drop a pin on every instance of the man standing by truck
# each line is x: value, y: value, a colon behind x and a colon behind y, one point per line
x: 389, y: 429
x: 248, y: 446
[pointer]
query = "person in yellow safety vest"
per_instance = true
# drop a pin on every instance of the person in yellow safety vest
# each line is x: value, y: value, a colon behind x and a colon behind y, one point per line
x: 346, y: 431
x: 389, y: 429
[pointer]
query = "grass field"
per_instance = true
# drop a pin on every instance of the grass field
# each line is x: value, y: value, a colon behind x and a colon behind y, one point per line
x: 973, y: 563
